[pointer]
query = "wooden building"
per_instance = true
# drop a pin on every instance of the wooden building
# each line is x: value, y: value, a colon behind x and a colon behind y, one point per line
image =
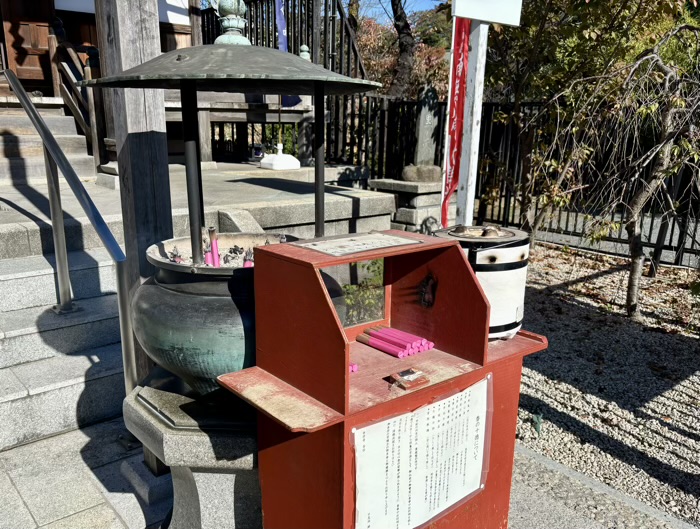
x: 27, y: 25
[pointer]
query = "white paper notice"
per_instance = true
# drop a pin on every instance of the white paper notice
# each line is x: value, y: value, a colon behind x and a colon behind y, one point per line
x: 350, y: 244
x: 412, y: 467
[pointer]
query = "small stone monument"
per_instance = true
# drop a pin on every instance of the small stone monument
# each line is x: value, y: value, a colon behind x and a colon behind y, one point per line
x: 426, y: 129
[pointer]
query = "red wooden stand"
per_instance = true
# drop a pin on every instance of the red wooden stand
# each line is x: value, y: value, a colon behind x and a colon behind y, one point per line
x: 309, y: 403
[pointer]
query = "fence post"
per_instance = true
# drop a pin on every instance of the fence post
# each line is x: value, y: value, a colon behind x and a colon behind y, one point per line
x: 195, y: 12
x: 53, y: 59
x: 316, y: 26
x: 98, y: 130
x: 381, y: 169
x: 65, y: 298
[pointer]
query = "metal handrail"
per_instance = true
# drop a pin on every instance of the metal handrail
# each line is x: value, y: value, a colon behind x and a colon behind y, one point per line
x: 55, y: 160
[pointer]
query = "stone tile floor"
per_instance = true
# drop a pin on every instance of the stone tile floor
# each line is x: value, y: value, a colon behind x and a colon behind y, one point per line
x: 88, y: 479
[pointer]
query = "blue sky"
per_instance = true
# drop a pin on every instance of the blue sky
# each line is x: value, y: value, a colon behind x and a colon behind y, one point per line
x: 377, y: 8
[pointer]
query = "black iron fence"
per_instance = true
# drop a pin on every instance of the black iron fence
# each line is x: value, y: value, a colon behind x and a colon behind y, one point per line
x: 380, y: 133
x: 322, y: 25
x: 500, y: 191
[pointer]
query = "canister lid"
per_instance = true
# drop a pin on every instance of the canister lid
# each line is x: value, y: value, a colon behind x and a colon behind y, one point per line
x: 485, y: 236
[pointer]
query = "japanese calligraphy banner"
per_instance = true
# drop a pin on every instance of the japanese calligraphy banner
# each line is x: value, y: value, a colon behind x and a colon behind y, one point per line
x: 458, y: 93
x: 412, y: 467
x: 281, y: 25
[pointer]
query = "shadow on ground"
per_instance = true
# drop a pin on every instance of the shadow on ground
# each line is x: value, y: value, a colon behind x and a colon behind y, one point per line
x: 646, y: 372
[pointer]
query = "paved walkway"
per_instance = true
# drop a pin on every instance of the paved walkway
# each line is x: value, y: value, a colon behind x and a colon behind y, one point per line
x: 87, y: 479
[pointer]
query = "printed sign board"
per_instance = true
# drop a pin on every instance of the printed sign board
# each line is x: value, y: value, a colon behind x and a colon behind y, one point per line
x: 505, y: 12
x: 412, y: 467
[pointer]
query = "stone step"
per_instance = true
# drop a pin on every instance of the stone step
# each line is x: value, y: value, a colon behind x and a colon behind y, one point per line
x: 45, y: 397
x: 17, y: 110
x: 35, y: 238
x: 20, y: 125
x: 28, y: 146
x: 31, y: 281
x: 36, y: 333
x: 22, y: 171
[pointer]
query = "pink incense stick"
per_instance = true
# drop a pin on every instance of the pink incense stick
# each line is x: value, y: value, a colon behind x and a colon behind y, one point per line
x: 215, y: 253
x: 406, y: 335
x: 387, y: 331
x: 208, y: 259
x: 389, y: 338
x: 381, y: 345
x: 214, y: 240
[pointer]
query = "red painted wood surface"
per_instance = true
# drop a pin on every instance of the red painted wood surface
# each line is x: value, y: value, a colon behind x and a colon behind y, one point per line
x: 293, y: 409
x: 313, y: 258
x: 298, y: 335
x: 307, y: 479
x: 459, y: 319
x: 301, y: 476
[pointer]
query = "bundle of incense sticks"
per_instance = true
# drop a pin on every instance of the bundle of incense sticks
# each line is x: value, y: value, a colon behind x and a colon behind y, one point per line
x: 394, y: 342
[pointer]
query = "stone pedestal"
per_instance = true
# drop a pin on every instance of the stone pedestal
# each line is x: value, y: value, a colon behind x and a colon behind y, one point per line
x: 418, y: 204
x: 210, y: 446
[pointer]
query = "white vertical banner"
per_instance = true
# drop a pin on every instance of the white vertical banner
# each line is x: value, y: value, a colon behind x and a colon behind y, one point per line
x: 471, y: 132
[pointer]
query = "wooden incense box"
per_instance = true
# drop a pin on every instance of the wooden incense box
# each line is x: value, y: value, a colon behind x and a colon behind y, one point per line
x: 318, y: 423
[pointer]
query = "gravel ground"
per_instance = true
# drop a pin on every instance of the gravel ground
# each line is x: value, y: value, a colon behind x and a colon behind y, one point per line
x: 611, y: 398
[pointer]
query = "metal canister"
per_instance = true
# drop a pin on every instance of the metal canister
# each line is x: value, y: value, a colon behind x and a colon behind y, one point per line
x: 499, y: 258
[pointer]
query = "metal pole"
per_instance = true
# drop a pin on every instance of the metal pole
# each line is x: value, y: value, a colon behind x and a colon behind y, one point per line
x: 320, y: 177
x: 65, y: 299
x: 190, y: 127
x: 125, y: 329
x: 469, y: 166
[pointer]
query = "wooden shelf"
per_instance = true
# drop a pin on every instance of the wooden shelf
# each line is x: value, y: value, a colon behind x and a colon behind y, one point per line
x: 368, y: 388
x: 524, y: 343
x: 292, y: 408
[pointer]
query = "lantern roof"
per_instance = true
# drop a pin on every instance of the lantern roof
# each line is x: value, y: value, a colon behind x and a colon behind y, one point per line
x: 229, y: 68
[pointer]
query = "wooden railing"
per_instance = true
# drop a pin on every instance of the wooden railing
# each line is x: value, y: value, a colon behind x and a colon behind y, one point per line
x: 85, y: 104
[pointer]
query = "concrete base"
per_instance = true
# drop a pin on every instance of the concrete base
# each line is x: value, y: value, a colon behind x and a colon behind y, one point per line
x: 209, y: 445
x: 419, y: 204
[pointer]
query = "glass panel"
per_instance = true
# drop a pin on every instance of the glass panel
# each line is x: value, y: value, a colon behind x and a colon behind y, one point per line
x: 357, y: 291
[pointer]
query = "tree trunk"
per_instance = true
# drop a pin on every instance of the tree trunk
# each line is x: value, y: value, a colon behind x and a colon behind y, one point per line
x: 407, y: 44
x: 353, y: 14
x: 633, y: 220
x: 634, y: 238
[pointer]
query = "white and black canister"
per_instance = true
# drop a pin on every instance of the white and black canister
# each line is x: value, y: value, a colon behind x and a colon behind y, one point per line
x: 499, y: 257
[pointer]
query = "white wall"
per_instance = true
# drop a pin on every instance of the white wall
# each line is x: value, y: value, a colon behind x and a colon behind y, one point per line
x: 173, y: 11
